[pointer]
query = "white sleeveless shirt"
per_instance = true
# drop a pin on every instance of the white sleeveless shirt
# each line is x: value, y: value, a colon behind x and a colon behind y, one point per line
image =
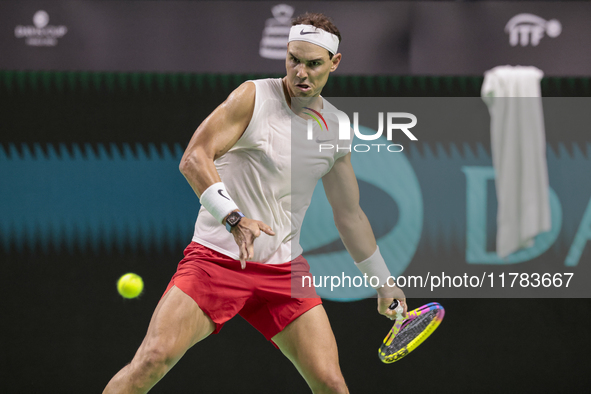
x: 271, y: 177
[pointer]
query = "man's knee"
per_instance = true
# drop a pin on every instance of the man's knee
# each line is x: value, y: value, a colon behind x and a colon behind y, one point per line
x: 330, y: 383
x: 155, y: 360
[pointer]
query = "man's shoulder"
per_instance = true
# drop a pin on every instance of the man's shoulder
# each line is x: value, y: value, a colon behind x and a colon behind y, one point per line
x: 272, y: 82
x: 265, y: 89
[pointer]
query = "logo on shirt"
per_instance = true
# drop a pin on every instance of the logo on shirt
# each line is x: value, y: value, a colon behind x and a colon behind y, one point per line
x: 316, y: 119
x: 318, y: 140
x: 526, y: 29
x: 310, y: 124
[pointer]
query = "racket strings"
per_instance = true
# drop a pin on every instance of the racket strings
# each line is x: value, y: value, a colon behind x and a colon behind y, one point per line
x: 411, y: 331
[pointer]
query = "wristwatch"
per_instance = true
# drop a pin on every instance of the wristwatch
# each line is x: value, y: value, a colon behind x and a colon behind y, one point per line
x: 233, y: 219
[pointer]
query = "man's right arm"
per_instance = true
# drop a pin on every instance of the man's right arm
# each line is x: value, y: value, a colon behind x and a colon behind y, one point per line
x: 212, y: 139
x: 215, y: 136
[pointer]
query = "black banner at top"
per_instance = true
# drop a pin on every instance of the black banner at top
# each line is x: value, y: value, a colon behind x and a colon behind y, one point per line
x: 379, y: 38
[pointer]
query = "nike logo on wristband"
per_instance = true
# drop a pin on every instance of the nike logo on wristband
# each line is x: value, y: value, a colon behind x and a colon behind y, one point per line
x: 307, y: 32
x: 221, y: 194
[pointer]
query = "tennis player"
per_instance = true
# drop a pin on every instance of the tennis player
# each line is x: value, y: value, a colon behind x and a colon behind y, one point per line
x: 241, y: 260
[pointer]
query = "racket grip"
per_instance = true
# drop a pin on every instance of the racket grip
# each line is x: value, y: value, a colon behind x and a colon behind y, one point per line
x: 395, y: 306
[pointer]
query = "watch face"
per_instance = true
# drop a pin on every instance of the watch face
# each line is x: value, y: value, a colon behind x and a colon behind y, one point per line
x: 233, y: 219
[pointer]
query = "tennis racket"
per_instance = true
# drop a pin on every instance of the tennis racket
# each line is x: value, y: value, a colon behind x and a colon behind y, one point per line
x: 407, y: 334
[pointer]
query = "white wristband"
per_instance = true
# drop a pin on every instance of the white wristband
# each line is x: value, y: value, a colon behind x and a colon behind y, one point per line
x: 375, y: 265
x: 217, y: 201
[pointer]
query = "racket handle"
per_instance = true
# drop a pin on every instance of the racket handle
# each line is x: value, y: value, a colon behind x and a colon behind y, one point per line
x: 395, y: 306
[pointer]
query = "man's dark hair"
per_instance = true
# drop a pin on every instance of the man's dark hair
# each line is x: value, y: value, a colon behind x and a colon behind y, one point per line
x: 320, y: 21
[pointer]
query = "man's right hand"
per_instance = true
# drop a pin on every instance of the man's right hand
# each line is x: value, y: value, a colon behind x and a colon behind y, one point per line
x: 245, y: 232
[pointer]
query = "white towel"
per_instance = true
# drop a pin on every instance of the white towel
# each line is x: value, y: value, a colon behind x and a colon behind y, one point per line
x: 518, y: 143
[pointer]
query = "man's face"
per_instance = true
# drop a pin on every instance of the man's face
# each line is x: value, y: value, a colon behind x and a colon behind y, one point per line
x: 308, y: 66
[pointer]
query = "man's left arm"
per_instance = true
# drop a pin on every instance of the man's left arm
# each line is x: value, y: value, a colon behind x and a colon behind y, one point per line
x: 342, y: 191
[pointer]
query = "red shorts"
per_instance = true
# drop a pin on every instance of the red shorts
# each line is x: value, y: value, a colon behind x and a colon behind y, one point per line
x: 260, y: 293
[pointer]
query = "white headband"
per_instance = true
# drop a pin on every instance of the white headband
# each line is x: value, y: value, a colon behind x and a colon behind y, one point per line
x: 316, y: 36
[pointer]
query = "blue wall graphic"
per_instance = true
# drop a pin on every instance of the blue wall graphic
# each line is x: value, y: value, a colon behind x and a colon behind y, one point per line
x: 114, y: 198
x: 76, y: 198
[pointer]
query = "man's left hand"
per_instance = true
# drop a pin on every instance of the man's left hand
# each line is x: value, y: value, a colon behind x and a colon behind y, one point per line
x: 386, y: 296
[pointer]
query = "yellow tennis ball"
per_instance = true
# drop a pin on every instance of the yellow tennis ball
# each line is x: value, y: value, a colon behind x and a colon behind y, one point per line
x: 130, y: 285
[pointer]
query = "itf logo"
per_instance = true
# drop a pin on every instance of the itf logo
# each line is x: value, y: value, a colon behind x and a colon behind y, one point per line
x: 42, y: 34
x: 525, y: 29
